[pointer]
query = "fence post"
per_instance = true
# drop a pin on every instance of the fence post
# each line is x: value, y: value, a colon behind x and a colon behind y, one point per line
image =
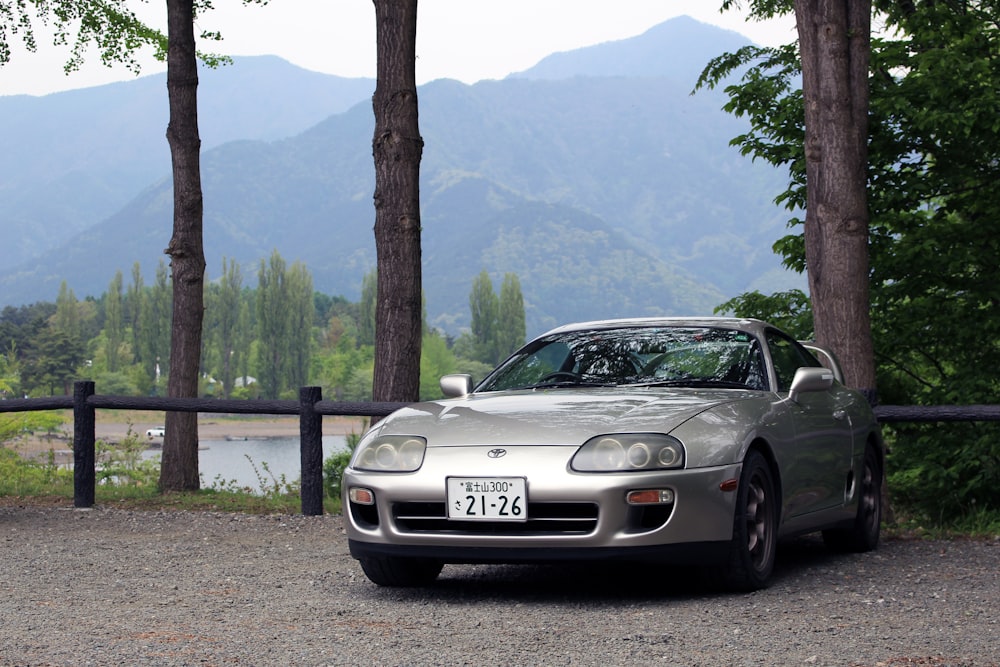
x: 84, y: 459
x: 311, y: 447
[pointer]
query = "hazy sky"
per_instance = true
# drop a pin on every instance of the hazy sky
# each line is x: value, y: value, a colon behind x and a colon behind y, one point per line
x: 468, y: 40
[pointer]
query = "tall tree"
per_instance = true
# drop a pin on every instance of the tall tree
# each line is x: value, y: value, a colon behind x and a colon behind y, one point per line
x: 134, y: 295
x: 301, y: 311
x: 228, y: 314
x: 52, y: 362
x: 484, y: 307
x: 67, y: 315
x: 397, y: 148
x: 179, y: 463
x: 835, y: 48
x: 154, y: 327
x: 511, y: 329
x: 244, y: 338
x: 367, y: 307
x: 114, y: 323
x: 272, y: 325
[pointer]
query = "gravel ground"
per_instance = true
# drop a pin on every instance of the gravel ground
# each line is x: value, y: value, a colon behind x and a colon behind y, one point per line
x: 113, y: 587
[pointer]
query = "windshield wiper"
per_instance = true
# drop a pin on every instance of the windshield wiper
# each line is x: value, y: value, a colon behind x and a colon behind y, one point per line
x: 570, y: 383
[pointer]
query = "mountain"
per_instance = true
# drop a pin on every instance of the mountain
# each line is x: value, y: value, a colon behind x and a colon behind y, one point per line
x: 72, y: 159
x: 677, y: 49
x: 595, y: 176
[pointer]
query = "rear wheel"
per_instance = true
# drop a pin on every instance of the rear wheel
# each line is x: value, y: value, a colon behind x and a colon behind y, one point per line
x: 401, y: 572
x: 864, y: 533
x: 755, y: 528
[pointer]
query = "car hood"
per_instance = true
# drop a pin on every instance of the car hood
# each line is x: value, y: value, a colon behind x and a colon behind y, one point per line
x: 551, y: 417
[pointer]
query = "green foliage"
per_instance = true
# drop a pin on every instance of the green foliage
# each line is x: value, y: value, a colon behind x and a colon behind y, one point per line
x: 511, y: 330
x: 51, y: 361
x: 484, y: 304
x: 268, y: 485
x: 336, y: 463
x: 789, y: 311
x: 341, y: 366
x: 366, y: 314
x: 435, y: 360
x: 20, y: 477
x: 948, y: 478
x: 273, y: 321
x: 223, y: 301
x: 498, y: 323
x: 934, y: 160
x: 301, y: 310
x: 285, y: 312
x: 114, y: 325
x: 152, y: 350
x: 107, y: 25
x: 122, y: 463
x: 16, y: 424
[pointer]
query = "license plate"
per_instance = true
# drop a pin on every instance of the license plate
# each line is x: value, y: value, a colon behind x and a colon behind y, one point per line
x: 488, y: 498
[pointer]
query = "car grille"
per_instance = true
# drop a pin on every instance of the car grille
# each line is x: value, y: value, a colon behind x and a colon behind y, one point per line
x: 543, y: 519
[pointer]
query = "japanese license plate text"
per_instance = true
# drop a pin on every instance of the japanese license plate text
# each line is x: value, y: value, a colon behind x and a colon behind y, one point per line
x: 490, y: 498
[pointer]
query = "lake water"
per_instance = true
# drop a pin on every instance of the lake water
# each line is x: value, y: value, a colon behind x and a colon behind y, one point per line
x: 244, y: 461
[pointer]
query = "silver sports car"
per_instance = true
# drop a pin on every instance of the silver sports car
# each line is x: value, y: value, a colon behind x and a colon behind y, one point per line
x: 687, y: 441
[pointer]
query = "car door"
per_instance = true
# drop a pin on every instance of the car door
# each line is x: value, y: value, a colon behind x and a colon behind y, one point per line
x: 815, y: 467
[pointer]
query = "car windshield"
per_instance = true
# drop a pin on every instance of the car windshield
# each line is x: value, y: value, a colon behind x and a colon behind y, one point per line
x: 652, y: 356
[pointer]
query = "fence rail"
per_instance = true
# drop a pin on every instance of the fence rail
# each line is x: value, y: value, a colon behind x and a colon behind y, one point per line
x: 310, y: 408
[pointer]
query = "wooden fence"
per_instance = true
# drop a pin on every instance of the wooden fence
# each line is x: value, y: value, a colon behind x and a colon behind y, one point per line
x: 310, y: 408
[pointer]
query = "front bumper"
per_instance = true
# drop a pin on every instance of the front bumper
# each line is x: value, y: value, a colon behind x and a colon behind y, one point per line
x: 574, y: 516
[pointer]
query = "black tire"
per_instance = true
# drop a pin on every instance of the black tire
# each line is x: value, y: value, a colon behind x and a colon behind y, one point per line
x: 755, y: 528
x: 863, y: 534
x: 401, y: 572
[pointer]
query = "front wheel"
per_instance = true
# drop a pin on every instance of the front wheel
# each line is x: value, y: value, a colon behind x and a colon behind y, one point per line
x: 755, y: 528
x: 401, y: 572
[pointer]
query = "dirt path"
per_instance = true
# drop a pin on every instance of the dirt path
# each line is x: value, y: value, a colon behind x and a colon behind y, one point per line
x: 117, y: 587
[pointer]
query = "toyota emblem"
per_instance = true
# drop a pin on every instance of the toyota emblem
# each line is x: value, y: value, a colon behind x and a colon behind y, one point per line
x: 496, y: 453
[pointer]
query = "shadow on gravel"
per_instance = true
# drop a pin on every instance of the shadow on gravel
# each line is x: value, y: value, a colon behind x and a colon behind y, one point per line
x: 606, y: 582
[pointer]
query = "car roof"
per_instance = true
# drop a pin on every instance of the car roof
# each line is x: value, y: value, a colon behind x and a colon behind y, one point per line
x: 745, y: 324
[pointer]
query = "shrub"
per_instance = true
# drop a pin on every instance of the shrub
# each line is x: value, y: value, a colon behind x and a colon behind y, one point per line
x: 336, y: 463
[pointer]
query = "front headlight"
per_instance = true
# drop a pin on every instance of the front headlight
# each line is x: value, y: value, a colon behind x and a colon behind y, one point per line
x: 391, y: 453
x: 625, y: 452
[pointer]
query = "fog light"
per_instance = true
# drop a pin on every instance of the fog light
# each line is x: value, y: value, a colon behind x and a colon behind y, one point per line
x: 650, y: 497
x: 361, y: 496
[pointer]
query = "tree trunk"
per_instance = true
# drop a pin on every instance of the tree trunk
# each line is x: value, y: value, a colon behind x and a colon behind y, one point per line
x: 397, y: 148
x: 834, y: 39
x: 179, y: 465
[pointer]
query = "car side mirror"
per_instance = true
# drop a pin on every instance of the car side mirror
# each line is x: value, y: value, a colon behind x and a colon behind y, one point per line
x: 457, y: 385
x: 810, y: 379
x: 825, y: 357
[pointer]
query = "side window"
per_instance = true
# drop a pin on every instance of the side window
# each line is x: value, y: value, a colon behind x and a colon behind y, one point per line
x: 788, y: 356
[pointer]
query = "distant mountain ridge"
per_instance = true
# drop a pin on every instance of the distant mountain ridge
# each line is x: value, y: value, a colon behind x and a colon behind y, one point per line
x: 692, y: 45
x: 608, y: 194
x: 72, y: 159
